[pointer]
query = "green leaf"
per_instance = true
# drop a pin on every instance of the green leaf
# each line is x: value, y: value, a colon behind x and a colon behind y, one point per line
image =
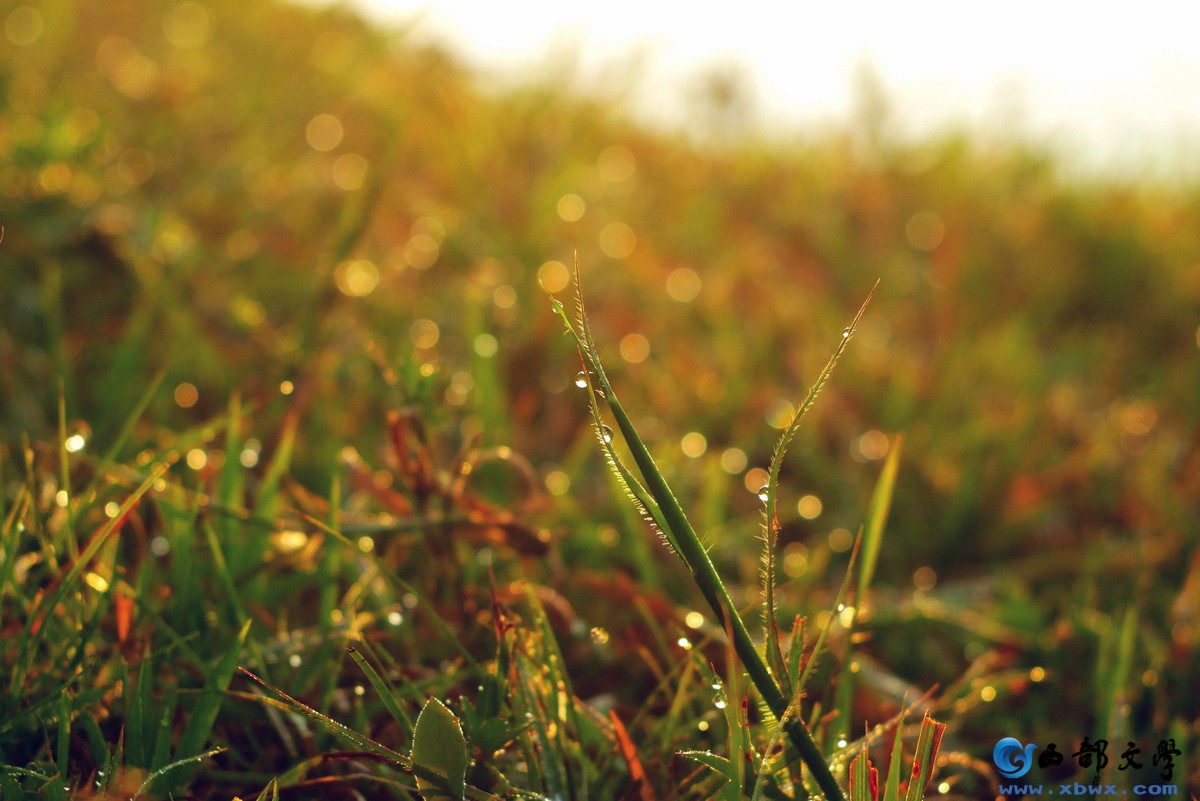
x: 439, y: 753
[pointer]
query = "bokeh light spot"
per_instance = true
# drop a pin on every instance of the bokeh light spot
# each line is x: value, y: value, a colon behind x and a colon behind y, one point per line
x: 187, y: 26
x: 486, y: 346
x: 186, y: 395
x: 349, y: 171
x: 871, y: 446
x: 925, y: 230
x: 558, y: 482
x: 683, y: 284
x: 809, y: 507
x: 553, y: 276
x: 324, y: 132
x: 616, y: 164
x: 795, y: 560
x: 840, y: 540
x: 617, y: 240
x: 197, y: 458
x: 23, y: 26
x: 424, y: 334
x: 505, y: 297
x: 754, y: 479
x: 733, y: 460
x: 356, y: 278
x: 925, y: 578
x: 634, y: 348
x: 571, y: 207
x: 693, y: 444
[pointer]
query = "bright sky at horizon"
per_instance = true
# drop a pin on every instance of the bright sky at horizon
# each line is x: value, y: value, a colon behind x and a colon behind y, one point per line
x: 1104, y: 83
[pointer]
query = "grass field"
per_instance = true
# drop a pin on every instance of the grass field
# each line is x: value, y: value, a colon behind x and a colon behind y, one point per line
x: 291, y: 440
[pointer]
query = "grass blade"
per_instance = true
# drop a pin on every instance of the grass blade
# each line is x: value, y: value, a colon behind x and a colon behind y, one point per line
x: 692, y: 550
x: 771, y: 528
x: 928, y: 743
x: 386, y: 692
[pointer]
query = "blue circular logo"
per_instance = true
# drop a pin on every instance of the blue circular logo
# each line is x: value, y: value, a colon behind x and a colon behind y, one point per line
x: 1012, y: 759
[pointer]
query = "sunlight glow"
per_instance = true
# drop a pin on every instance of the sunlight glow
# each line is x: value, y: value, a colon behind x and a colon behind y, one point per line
x: 1106, y: 85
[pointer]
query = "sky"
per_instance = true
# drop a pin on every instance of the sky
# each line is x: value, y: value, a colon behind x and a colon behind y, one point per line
x: 1108, y: 86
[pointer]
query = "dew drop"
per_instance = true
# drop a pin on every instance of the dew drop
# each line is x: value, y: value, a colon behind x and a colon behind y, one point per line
x: 599, y: 636
x: 717, y: 685
x: 719, y: 701
x: 581, y: 379
x: 606, y: 433
x: 845, y: 333
x: 764, y: 493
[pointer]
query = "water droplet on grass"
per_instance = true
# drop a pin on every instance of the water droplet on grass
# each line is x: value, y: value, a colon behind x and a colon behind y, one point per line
x: 581, y: 379
x: 606, y: 433
x: 764, y: 492
x: 845, y: 333
x: 719, y: 701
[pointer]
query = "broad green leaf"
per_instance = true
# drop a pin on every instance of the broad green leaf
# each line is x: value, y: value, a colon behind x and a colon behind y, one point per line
x: 439, y: 753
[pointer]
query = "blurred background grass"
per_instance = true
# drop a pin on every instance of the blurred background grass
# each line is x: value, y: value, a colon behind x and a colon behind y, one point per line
x: 330, y: 222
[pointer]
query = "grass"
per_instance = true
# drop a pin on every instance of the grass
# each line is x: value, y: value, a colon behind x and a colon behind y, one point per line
x: 292, y: 459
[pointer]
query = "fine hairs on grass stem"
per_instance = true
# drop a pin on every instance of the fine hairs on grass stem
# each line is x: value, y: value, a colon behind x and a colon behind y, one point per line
x: 657, y: 502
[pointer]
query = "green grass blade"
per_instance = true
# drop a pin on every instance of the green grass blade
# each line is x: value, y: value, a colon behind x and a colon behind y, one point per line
x: 64, y: 732
x: 872, y: 542
x: 1118, y: 678
x: 864, y: 779
x: 204, y: 712
x: 696, y: 557
x: 924, y: 756
x: 193, y: 760
x: 107, y: 459
x: 387, y: 693
x: 359, y: 740
x: 771, y: 530
x: 51, y: 601
x: 881, y: 502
